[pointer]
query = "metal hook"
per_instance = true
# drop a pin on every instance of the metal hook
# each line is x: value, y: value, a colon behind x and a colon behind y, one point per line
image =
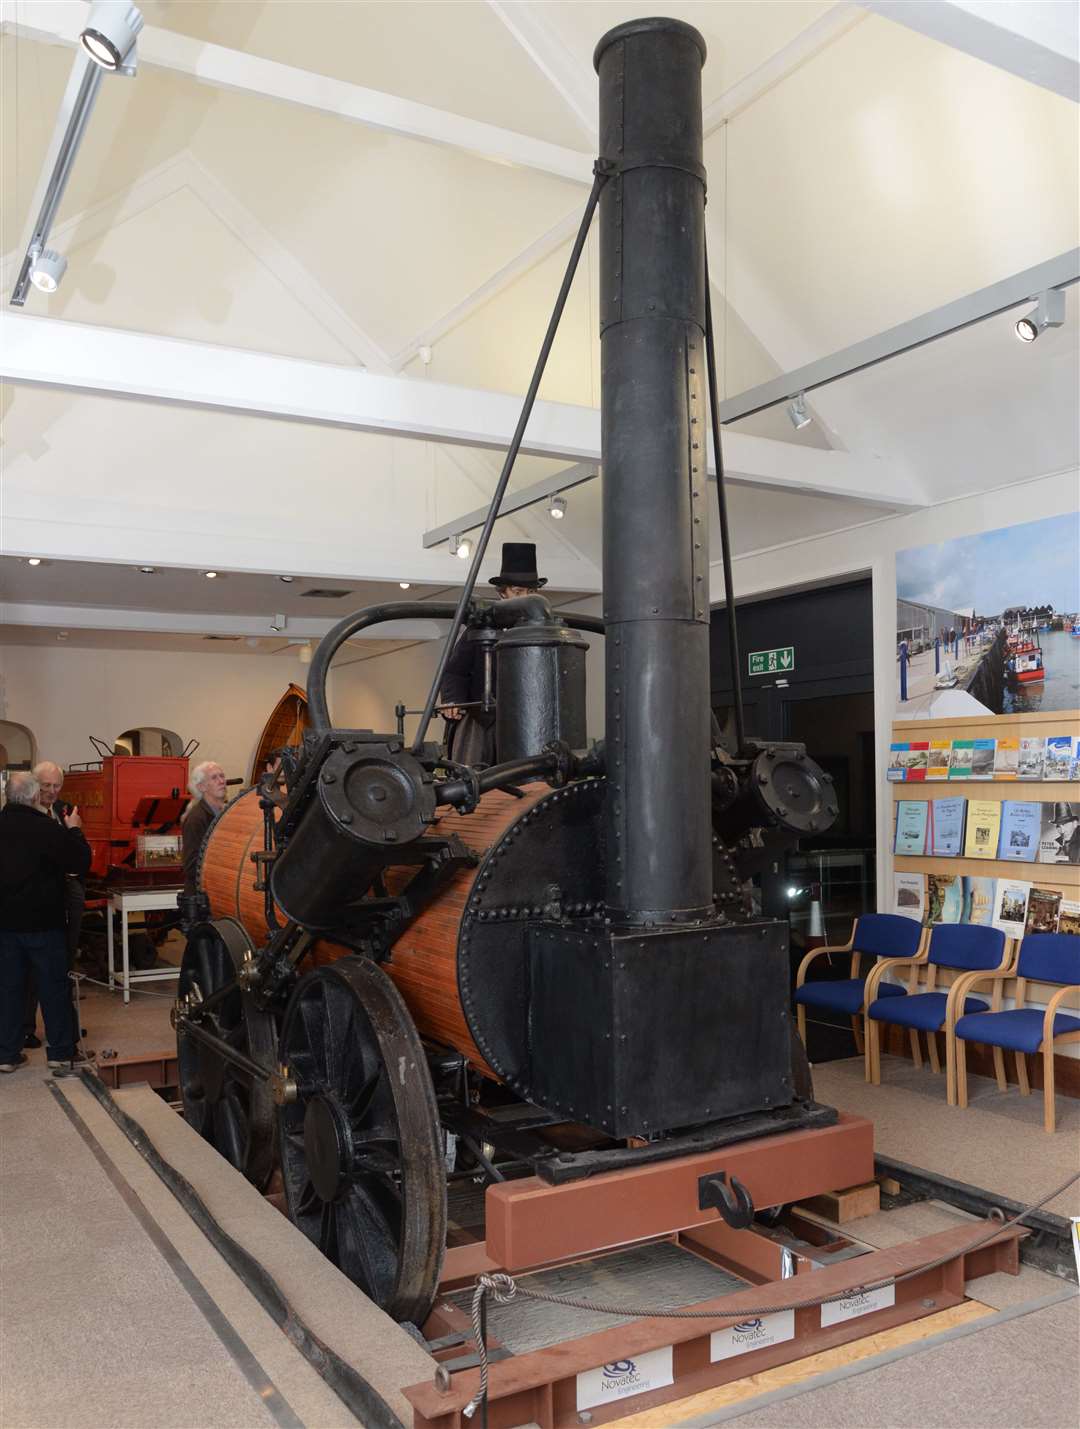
x: 733, y: 1200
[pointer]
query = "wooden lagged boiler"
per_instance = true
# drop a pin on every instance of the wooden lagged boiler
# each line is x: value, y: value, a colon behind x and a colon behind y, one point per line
x: 397, y: 964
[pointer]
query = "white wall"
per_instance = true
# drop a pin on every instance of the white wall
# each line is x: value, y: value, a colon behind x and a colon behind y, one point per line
x: 873, y: 548
x: 65, y: 694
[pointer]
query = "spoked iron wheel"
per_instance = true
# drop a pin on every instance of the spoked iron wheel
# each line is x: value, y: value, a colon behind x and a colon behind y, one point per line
x: 232, y: 1110
x: 362, y: 1151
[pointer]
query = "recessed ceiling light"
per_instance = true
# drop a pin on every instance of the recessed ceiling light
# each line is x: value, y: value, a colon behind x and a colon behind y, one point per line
x: 287, y: 579
x: 210, y: 575
x: 61, y: 635
x: 404, y: 584
x: 33, y: 560
x: 147, y: 570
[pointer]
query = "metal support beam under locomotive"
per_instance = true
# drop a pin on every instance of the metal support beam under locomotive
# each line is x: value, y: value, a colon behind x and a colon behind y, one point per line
x: 554, y: 958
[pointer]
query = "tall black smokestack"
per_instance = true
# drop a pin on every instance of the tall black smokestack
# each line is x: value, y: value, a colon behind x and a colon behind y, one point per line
x: 656, y: 524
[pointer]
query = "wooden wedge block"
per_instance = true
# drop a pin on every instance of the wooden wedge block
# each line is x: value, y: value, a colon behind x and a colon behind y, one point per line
x: 847, y: 1205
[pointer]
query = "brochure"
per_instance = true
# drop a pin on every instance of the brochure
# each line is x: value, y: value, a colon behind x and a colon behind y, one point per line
x: 963, y: 751
x: 1021, y: 828
x: 1042, y: 911
x: 944, y: 898
x: 1010, y: 907
x: 918, y: 760
x: 1007, y: 759
x: 1060, y: 749
x: 947, y: 827
x: 983, y: 828
x: 1059, y: 838
x: 982, y: 758
x: 911, y: 824
x: 938, y: 757
x: 1032, y: 754
x: 909, y: 895
x: 897, y: 769
x: 1068, y: 916
x: 978, y: 900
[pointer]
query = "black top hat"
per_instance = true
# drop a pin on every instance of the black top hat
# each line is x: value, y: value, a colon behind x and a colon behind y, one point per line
x: 518, y: 566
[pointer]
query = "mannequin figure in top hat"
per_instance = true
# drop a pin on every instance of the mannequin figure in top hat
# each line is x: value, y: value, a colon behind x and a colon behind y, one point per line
x: 470, y: 734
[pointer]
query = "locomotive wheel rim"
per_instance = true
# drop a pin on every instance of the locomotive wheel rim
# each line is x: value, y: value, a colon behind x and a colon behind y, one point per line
x: 232, y: 1112
x: 362, y: 1150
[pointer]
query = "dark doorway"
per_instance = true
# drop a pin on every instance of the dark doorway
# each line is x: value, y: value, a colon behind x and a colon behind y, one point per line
x: 824, y: 699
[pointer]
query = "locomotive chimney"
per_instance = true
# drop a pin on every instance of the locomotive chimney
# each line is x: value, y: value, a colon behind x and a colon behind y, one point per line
x: 656, y: 523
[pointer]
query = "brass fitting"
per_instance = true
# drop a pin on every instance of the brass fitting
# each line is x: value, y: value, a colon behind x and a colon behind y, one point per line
x: 283, y: 1088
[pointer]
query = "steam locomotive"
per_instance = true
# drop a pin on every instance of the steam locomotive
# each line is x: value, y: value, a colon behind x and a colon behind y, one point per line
x: 554, y: 960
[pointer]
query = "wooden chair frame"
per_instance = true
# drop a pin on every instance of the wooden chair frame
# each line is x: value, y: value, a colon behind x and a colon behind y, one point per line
x: 958, y: 1091
x: 856, y: 966
x: 873, y: 1027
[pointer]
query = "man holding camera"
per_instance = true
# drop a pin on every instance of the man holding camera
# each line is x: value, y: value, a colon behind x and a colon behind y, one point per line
x: 37, y: 855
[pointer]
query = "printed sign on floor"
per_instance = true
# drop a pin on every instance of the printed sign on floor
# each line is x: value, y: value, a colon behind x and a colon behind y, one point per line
x: 622, y: 1378
x: 752, y: 1335
x: 853, y: 1306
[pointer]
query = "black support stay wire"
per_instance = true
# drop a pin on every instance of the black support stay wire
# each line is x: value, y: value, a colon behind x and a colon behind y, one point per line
x: 505, y: 1288
x: 601, y: 173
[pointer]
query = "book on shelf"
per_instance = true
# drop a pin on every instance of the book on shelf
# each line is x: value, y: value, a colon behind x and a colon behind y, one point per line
x: 909, y: 895
x: 1069, y: 916
x: 1032, y: 757
x: 978, y: 899
x: 963, y: 751
x: 1059, y: 836
x: 944, y: 898
x: 938, y: 756
x: 912, y: 820
x: 1021, y: 830
x: 1059, y: 755
x: 947, y: 819
x: 1007, y: 759
x: 982, y: 758
x: 1044, y: 904
x: 1010, y: 907
x: 983, y: 828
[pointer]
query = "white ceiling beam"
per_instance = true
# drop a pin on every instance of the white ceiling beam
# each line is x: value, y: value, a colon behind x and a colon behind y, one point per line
x: 836, y: 21
x: 85, y: 617
x: 1038, y: 42
x: 536, y: 252
x: 60, y: 22
x: 80, y: 357
x: 575, y: 86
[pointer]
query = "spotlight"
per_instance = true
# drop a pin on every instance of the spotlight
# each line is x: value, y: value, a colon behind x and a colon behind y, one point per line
x: 404, y: 584
x: 800, y: 417
x: 33, y: 560
x: 210, y: 575
x: 1049, y: 312
x: 557, y: 508
x: 147, y: 570
x: 47, y: 269
x: 110, y: 32
x: 288, y: 580
x: 461, y: 547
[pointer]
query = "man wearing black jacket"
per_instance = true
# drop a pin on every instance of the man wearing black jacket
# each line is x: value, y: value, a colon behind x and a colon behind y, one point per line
x: 35, y: 855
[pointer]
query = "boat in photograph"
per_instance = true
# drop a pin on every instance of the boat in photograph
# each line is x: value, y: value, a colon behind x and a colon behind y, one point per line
x: 1023, y: 660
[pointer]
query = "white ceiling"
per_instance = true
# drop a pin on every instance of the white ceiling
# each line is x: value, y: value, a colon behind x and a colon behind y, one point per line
x: 865, y: 174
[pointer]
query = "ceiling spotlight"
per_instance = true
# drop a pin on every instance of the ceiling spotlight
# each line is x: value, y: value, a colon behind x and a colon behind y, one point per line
x: 287, y: 580
x: 147, y: 570
x: 798, y: 414
x: 47, y: 269
x: 110, y: 32
x: 61, y: 635
x: 461, y: 547
x: 557, y: 508
x: 210, y: 575
x: 404, y: 584
x: 33, y: 560
x: 1049, y: 312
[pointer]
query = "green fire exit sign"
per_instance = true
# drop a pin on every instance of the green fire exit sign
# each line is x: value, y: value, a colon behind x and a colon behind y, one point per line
x: 772, y: 662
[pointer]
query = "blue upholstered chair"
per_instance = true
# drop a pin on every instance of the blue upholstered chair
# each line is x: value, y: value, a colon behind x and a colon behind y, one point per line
x: 1044, y: 957
x: 963, y: 947
x: 875, y: 936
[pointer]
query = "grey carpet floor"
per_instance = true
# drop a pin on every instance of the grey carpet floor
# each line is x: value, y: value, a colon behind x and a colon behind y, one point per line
x: 996, y: 1143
